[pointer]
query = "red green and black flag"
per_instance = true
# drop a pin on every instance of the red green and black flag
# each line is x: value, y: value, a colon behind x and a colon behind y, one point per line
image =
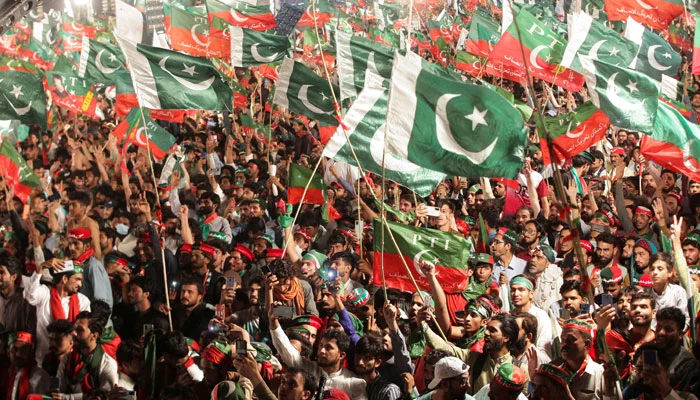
x: 298, y: 178
x: 483, y: 35
x: 133, y: 131
x: 324, y: 12
x: 470, y: 63
x: 656, y: 14
x: 72, y: 92
x: 678, y: 37
x: 189, y: 31
x: 16, y: 171
x: 696, y: 49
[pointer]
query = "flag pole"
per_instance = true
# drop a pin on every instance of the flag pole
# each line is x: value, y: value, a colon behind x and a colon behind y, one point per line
x: 301, y: 202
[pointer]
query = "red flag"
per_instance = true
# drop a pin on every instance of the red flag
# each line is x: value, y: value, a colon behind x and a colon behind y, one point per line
x: 656, y: 14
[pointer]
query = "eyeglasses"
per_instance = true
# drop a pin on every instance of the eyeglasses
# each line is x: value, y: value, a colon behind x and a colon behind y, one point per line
x: 498, y: 242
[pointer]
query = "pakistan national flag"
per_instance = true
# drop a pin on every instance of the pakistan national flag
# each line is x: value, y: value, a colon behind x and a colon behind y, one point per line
x: 365, y: 124
x: 300, y: 90
x: 449, y: 126
x: 656, y: 57
x: 100, y: 62
x: 591, y: 38
x: 249, y: 47
x: 356, y: 57
x: 16, y: 171
x: 628, y: 98
x: 165, y: 79
x: 22, y: 98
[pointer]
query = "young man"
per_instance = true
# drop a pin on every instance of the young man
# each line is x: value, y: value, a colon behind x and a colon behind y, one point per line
x: 191, y: 315
x: 137, y: 310
x: 297, y: 384
x: 524, y: 351
x: 369, y: 352
x: 683, y: 368
x: 522, y: 290
x: 60, y: 334
x: 642, y: 313
x: 548, y: 275
x: 96, y: 284
x: 24, y: 376
x: 451, y: 381
x: 16, y: 314
x: 665, y: 293
x: 507, y: 264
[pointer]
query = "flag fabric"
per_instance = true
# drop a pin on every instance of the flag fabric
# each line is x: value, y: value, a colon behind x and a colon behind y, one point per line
x: 14, y: 64
x: 450, y: 253
x: 356, y: 58
x: 242, y: 14
x: 322, y: 14
x: 249, y: 48
x: 524, y: 109
x: 189, y: 31
x: 450, y: 126
x: 656, y: 57
x: 656, y: 14
x: 165, y: 79
x: 298, y: 178
x: 627, y: 97
x: 219, y: 39
x: 16, y: 171
x: 678, y: 37
x: 42, y: 56
x: 674, y: 143
x: 696, y: 48
x: 139, y: 129
x: 543, y: 49
x: 574, y: 132
x: 470, y: 63
x: 129, y: 21
x: 300, y: 90
x: 440, y: 29
x: 593, y: 39
x: 22, y: 98
x: 483, y: 35
x: 79, y: 30
x: 440, y: 52
x: 365, y: 126
x: 100, y: 62
x: 69, y: 43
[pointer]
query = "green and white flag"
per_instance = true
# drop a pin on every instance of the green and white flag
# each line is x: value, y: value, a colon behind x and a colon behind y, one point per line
x: 357, y: 56
x: 300, y: 90
x: 249, y: 47
x: 656, y: 57
x: 366, y: 126
x: 450, y: 126
x: 168, y: 80
x: 588, y: 37
x: 629, y: 98
x: 100, y: 62
x: 22, y: 97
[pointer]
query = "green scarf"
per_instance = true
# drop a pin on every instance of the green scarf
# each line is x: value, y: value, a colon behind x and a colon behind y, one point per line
x: 416, y: 344
x: 475, y: 289
x: 107, y: 335
x: 468, y: 342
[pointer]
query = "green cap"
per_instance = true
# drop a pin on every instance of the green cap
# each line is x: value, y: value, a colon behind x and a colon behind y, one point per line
x: 483, y: 258
x: 266, y: 238
x: 315, y: 257
x: 220, y: 236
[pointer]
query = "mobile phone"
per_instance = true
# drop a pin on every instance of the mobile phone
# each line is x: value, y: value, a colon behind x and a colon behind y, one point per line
x: 565, y: 314
x: 651, y: 357
x: 606, y: 299
x: 230, y: 282
x: 147, y: 328
x: 68, y: 265
x: 283, y: 312
x: 433, y: 211
x: 241, y: 347
x: 331, y: 274
x: 215, y: 327
x: 54, y: 197
x: 220, y: 312
x: 585, y: 309
x: 174, y: 284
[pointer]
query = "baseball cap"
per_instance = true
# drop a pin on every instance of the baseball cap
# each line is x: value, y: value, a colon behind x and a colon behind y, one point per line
x: 447, y: 368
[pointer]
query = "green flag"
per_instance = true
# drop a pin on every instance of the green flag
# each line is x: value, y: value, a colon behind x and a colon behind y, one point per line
x: 249, y: 47
x: 16, y: 171
x: 656, y: 57
x: 100, y: 62
x: 450, y: 126
x: 300, y: 90
x: 298, y: 178
x: 358, y: 55
x: 22, y: 97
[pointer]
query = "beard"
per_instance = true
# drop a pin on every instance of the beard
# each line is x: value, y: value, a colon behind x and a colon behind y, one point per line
x: 601, y: 261
x: 491, y: 345
x: 519, y: 346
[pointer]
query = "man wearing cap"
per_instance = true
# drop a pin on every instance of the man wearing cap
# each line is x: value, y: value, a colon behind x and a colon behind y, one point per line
x: 643, y: 252
x: 208, y: 203
x: 203, y: 269
x: 522, y: 288
x: 507, y: 264
x: 61, y: 301
x: 16, y: 314
x: 642, y: 220
x: 96, y: 284
x: 23, y: 376
x: 507, y: 384
x: 585, y: 375
x: 611, y: 280
x: 691, y: 248
x: 549, y: 277
x: 451, y: 381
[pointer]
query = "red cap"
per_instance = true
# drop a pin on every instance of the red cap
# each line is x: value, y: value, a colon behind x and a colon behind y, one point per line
x: 676, y: 196
x: 586, y: 245
x: 25, y: 337
x: 618, y: 150
x: 303, y: 234
x: 244, y: 252
x: 276, y: 253
x: 207, y: 249
x: 79, y: 233
x: 335, y: 394
x: 186, y: 248
x: 645, y: 281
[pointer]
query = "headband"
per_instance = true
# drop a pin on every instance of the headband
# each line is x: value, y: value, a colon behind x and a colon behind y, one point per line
x: 479, y: 309
x: 488, y: 301
x: 577, y: 325
x: 644, y: 210
x: 519, y: 280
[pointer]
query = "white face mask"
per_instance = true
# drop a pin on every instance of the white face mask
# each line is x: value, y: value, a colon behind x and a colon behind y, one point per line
x: 299, y: 249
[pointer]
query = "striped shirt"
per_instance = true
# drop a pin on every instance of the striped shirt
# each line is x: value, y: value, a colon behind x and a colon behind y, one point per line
x: 381, y: 389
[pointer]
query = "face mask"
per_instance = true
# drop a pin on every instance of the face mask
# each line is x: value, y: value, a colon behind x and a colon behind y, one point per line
x: 299, y: 249
x: 593, y: 243
x: 206, y: 210
x: 122, y: 229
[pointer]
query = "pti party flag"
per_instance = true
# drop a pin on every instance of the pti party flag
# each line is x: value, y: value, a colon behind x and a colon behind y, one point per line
x: 524, y: 109
x: 588, y: 37
x: 594, y: 8
x: 674, y: 143
x: 450, y: 253
x: 574, y: 132
x: 80, y: 30
x: 242, y: 14
x: 627, y: 97
x: 543, y: 50
x: 16, y: 171
x: 300, y: 90
x: 299, y: 177
x: 69, y: 43
x: 440, y: 51
x: 22, y: 97
x: 139, y: 129
x: 165, y: 79
x: 440, y: 29
x: 483, y: 35
x: 72, y: 92
x: 249, y: 48
x: 469, y: 63
x: 365, y: 125
x: 678, y: 37
x: 656, y: 14
x: 450, y: 126
x: 358, y: 60
x: 696, y: 49
x: 656, y: 57
x: 189, y: 31
x: 318, y: 15
x: 14, y: 64
x: 100, y: 62
x: 42, y: 56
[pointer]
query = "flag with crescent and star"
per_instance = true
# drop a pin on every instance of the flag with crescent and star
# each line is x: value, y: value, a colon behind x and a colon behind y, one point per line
x: 72, y: 92
x: 574, y: 132
x: 169, y: 80
x: 241, y: 14
x: 656, y: 57
x: 483, y: 35
x: 140, y: 130
x: 450, y: 253
x: 42, y: 56
x: 322, y: 14
x: 189, y: 30
x: 16, y: 171
x: 629, y: 98
x: 250, y: 48
x: 365, y: 125
x: 588, y: 37
x: 656, y: 14
x: 674, y: 143
x: 449, y: 126
x: 77, y: 29
x: 543, y: 48
x: 14, y: 64
x: 357, y: 58
x: 100, y: 62
x: 300, y: 90
x: 22, y: 98
x: 470, y: 63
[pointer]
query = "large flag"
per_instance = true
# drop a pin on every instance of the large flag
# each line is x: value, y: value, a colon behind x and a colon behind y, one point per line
x: 543, y: 52
x: 656, y: 57
x: 298, y: 178
x: 656, y: 14
x: 100, y: 62
x: 576, y: 131
x: 72, y: 92
x: 22, y: 97
x: 14, y: 64
x: 674, y: 143
x: 241, y: 14
x: 627, y: 97
x: 139, y: 129
x: 470, y: 63
x: 16, y: 171
x: 300, y: 90
x: 449, y: 126
x: 165, y: 79
x: 450, y: 253
x: 591, y: 38
x: 483, y: 35
x: 357, y: 58
x: 365, y: 126
x: 322, y: 14
x: 79, y: 30
x: 249, y: 48
x: 696, y: 48
x: 189, y: 31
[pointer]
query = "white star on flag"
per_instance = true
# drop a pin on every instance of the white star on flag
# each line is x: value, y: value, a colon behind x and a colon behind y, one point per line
x: 667, y: 55
x: 632, y: 86
x: 477, y: 118
x: 189, y: 70
x: 16, y: 90
x: 112, y: 58
x: 614, y: 52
